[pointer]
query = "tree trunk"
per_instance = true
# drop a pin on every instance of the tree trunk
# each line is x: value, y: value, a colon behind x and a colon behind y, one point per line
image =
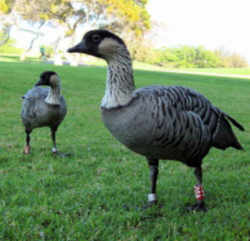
x: 57, y: 56
x: 33, y: 40
x: 6, y: 34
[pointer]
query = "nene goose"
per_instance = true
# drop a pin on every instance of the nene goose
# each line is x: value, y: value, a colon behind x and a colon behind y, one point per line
x: 158, y: 122
x: 43, y: 107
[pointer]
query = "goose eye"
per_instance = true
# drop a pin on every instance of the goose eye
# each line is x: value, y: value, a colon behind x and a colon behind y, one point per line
x: 96, y: 38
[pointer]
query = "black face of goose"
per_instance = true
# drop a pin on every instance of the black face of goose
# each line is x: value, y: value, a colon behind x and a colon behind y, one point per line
x: 45, y: 78
x: 98, y: 43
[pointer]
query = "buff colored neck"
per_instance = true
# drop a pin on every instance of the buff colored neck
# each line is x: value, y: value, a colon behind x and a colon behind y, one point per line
x: 120, y: 82
x: 54, y: 95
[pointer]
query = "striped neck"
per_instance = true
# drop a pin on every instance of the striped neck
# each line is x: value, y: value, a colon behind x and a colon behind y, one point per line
x: 120, y: 82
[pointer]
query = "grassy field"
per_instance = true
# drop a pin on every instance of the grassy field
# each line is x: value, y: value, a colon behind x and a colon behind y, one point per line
x: 221, y: 71
x: 97, y: 192
x: 233, y: 71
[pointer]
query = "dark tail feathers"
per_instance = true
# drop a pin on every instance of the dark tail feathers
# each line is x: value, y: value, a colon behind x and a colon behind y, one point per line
x: 237, y: 124
x: 225, y: 136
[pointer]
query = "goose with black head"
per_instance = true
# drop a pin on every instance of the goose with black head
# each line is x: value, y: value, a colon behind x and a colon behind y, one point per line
x: 158, y: 122
x: 43, y: 107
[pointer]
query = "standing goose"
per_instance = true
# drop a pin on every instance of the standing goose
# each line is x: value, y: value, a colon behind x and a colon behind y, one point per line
x: 43, y: 107
x: 158, y: 122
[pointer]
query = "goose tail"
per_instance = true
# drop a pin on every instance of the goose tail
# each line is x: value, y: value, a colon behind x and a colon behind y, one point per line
x: 225, y: 136
x: 234, y: 122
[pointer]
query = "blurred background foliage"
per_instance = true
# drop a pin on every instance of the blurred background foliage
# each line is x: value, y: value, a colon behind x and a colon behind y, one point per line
x: 128, y: 18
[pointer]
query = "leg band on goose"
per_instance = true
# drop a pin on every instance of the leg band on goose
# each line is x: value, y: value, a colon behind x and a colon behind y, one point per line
x: 199, y: 192
x: 152, y: 197
x: 54, y: 150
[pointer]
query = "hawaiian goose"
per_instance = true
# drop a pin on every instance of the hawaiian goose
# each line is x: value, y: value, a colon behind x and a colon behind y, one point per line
x: 43, y: 107
x: 159, y: 122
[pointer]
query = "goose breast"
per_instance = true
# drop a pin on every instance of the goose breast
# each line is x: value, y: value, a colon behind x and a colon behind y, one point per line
x: 37, y: 113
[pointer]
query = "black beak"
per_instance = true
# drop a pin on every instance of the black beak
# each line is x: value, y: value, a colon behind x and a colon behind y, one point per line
x: 82, y: 48
x: 79, y: 48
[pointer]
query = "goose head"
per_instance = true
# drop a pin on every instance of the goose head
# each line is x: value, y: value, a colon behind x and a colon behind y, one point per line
x: 100, y: 43
x: 49, y: 78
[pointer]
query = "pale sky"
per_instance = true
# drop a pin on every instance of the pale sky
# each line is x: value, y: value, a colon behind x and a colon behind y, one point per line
x: 211, y: 23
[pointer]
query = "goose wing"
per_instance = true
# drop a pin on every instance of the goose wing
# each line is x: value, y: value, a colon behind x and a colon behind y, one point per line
x: 167, y: 101
x: 186, y: 120
x: 32, y: 101
x: 36, y: 93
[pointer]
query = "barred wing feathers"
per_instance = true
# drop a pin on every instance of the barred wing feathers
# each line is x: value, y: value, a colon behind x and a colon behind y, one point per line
x: 186, y: 120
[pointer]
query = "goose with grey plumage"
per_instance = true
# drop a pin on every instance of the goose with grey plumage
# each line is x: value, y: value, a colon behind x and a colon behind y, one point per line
x: 43, y: 107
x: 158, y: 122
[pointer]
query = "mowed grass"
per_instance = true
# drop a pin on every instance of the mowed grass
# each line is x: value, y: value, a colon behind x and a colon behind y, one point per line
x: 228, y: 71
x: 97, y: 192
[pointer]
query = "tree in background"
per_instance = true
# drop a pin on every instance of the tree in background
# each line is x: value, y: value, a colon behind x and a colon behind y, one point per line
x: 189, y: 57
x: 128, y: 18
x: 6, y: 6
x: 230, y: 60
x: 9, y: 46
x: 7, y: 19
x: 122, y: 16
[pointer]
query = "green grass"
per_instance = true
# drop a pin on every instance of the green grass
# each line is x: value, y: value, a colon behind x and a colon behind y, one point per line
x: 233, y: 71
x: 16, y: 58
x: 97, y: 192
x: 244, y: 72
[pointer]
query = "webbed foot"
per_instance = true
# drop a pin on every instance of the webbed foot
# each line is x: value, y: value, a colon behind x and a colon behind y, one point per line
x: 197, y: 207
x: 26, y: 150
x: 60, y: 154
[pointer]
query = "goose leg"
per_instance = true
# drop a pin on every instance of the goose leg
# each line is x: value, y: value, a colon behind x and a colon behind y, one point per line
x: 53, y: 137
x: 199, y: 192
x: 27, y: 147
x: 153, y: 165
x: 54, y: 149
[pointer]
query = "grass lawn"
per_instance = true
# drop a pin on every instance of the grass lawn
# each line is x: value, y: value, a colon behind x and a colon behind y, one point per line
x: 233, y: 71
x: 244, y: 72
x: 97, y: 192
x: 16, y: 58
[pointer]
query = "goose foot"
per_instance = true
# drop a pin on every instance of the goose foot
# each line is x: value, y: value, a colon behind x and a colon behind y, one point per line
x: 155, y: 205
x: 152, y: 201
x: 197, y: 207
x: 60, y: 154
x: 147, y: 205
x: 26, y: 150
x: 143, y: 207
x: 150, y: 204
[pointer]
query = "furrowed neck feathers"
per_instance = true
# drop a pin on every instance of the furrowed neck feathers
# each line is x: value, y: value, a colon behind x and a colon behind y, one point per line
x: 120, y: 82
